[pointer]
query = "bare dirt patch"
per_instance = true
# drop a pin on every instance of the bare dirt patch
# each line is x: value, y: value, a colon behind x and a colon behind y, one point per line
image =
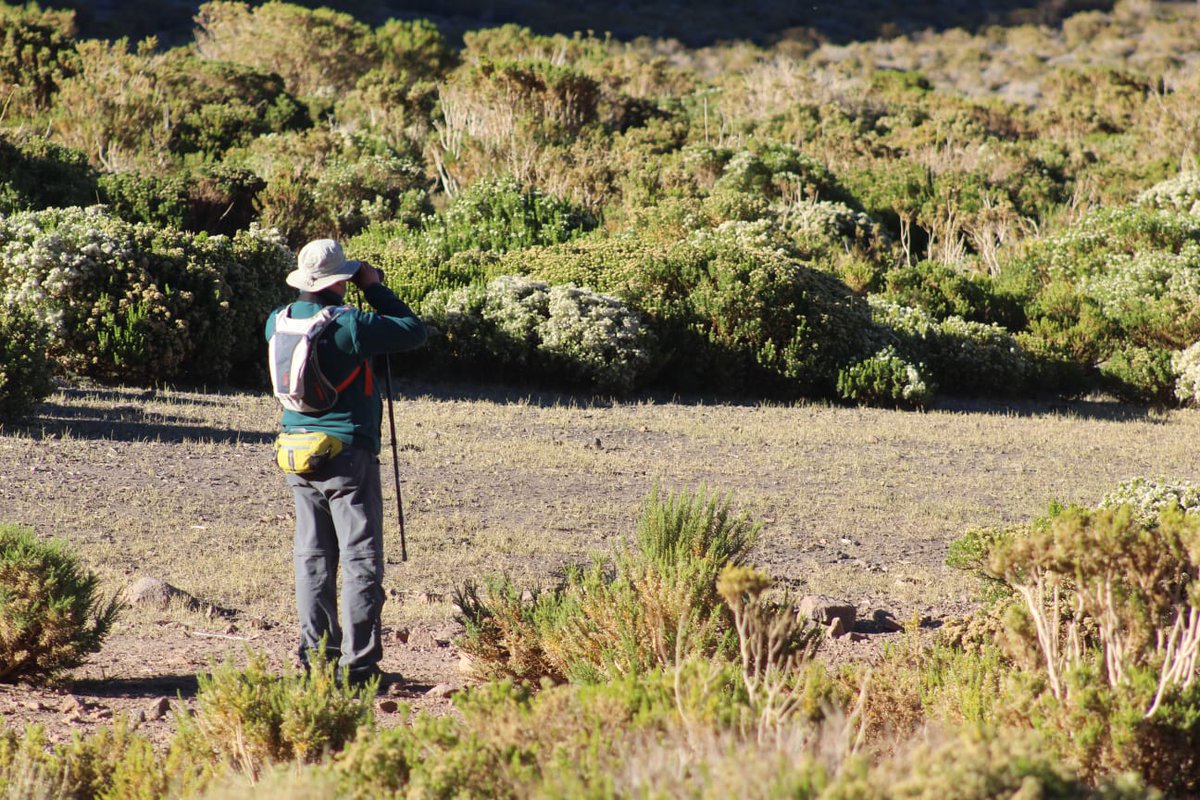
x: 858, y: 504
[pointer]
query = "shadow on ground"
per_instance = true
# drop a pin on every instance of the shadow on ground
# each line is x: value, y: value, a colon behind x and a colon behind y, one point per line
x: 151, y: 686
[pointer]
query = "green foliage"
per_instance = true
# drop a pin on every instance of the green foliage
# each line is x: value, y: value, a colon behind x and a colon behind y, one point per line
x: 36, y: 173
x: 962, y: 357
x: 36, y: 53
x: 317, y: 52
x: 25, y: 371
x: 321, y: 183
x: 942, y: 291
x: 51, y: 613
x: 133, y: 303
x: 1140, y: 375
x: 657, y: 604
x: 1185, y: 366
x: 885, y: 379
x: 249, y: 718
x: 517, y: 326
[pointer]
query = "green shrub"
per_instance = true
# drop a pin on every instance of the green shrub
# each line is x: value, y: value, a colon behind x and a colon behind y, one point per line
x: 518, y: 326
x: 884, y: 379
x: 1149, y: 498
x: 1185, y: 365
x: 35, y: 173
x: 51, y: 613
x: 250, y: 718
x: 658, y: 603
x: 318, y: 52
x: 1140, y: 375
x: 133, y: 303
x: 942, y: 291
x: 36, y: 53
x: 1181, y: 193
x: 25, y: 371
x: 962, y: 357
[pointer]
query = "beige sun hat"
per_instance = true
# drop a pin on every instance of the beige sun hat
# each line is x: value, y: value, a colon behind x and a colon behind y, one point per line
x: 321, y: 264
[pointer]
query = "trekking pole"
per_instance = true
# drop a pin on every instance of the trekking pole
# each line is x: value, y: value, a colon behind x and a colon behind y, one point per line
x: 387, y: 360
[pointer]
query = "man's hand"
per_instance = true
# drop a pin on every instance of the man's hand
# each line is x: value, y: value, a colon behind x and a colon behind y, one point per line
x: 367, y: 276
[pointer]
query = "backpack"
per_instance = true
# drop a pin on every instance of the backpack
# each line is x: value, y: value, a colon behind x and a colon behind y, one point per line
x: 296, y: 376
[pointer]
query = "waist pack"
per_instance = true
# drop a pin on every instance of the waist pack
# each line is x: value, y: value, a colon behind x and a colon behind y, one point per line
x: 300, y: 453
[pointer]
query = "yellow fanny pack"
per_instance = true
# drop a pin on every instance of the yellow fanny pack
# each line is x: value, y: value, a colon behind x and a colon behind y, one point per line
x: 305, y: 451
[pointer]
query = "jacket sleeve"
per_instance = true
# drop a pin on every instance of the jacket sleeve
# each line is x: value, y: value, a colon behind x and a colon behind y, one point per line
x: 394, y: 327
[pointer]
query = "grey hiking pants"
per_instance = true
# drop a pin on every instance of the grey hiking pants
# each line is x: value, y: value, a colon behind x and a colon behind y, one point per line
x: 339, y: 518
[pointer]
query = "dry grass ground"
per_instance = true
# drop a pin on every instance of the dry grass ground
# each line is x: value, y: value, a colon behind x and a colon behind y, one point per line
x: 858, y: 503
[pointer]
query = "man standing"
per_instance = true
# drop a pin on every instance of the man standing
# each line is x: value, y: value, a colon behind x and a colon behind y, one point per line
x: 339, y: 502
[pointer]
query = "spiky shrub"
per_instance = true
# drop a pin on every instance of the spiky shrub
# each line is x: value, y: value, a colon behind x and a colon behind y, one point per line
x: 251, y: 717
x: 51, y: 613
x: 25, y: 371
x: 657, y: 602
x: 885, y: 379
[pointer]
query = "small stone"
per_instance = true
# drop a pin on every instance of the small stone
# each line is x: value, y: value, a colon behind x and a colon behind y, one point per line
x: 835, y: 629
x: 826, y: 609
x: 466, y: 664
x: 150, y: 592
x: 103, y: 713
x: 388, y: 706
x: 885, y: 622
x: 158, y: 709
x: 442, y: 690
x: 71, y: 705
x: 421, y: 639
x: 857, y: 637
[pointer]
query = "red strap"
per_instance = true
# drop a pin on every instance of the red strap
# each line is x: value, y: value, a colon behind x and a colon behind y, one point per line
x: 341, y: 387
x: 369, y: 381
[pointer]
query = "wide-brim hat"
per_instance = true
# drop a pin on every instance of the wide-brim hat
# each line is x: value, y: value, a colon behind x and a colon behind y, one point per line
x: 321, y: 264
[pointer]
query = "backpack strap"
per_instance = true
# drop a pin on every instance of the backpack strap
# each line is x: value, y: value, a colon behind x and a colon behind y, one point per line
x: 368, y: 381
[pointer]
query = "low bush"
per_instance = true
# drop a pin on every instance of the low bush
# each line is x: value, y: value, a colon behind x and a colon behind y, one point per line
x: 36, y: 173
x: 249, y: 718
x: 657, y: 604
x: 516, y: 326
x: 25, y: 371
x: 1139, y: 375
x: 51, y: 613
x: 137, y: 304
x: 962, y: 357
x: 885, y: 379
x: 1185, y: 365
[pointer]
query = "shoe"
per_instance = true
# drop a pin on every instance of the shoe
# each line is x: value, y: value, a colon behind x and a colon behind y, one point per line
x: 360, y: 678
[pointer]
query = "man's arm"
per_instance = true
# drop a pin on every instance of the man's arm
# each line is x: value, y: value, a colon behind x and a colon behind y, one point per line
x: 394, y: 327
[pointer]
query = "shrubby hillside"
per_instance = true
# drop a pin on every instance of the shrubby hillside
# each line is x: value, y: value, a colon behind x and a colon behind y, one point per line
x: 983, y: 210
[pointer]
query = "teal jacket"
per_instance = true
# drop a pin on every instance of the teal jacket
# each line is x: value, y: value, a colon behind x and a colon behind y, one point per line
x: 351, y: 339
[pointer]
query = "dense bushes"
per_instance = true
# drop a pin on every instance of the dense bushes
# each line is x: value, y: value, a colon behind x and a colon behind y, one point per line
x: 712, y: 193
x: 51, y: 613
x: 133, y: 303
x: 25, y: 370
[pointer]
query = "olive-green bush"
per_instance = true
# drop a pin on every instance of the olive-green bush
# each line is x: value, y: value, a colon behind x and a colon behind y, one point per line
x: 25, y: 371
x: 136, y: 304
x: 52, y: 615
